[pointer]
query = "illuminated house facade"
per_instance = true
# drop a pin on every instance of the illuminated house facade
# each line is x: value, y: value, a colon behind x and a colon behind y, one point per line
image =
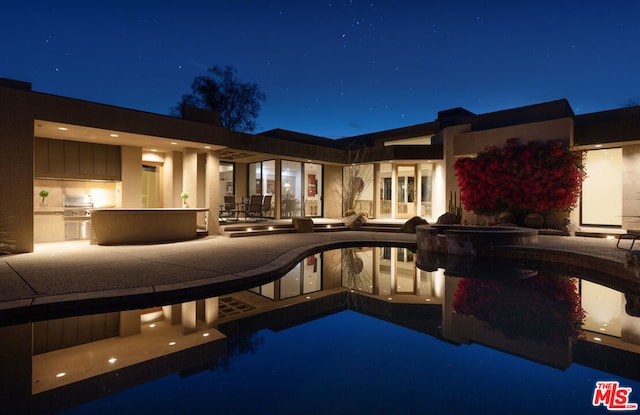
x: 127, y: 159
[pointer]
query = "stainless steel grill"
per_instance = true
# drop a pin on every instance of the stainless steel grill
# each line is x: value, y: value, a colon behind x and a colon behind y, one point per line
x: 77, y: 213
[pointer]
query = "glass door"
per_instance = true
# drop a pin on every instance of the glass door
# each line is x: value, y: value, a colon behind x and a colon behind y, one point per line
x: 313, y: 190
x: 406, y: 191
x: 386, y: 190
x: 291, y: 185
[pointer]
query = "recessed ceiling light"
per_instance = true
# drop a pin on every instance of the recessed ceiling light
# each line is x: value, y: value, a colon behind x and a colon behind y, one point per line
x: 63, y: 128
x: 112, y: 360
x: 154, y: 150
x: 114, y: 135
x: 207, y: 147
x: 173, y: 143
x: 61, y: 375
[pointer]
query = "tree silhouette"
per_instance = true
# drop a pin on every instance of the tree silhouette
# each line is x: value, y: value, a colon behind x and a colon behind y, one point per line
x: 218, y: 90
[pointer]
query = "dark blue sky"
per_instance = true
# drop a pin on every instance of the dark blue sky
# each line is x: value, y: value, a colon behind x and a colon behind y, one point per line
x: 331, y: 68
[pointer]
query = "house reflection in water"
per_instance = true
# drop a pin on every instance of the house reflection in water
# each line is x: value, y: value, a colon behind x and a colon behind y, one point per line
x: 57, y: 364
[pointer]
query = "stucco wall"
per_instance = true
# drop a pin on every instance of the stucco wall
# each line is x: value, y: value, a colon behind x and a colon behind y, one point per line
x: 190, y: 177
x: 131, y: 176
x: 16, y: 171
x: 473, y: 142
x: 212, y: 192
x: 332, y: 191
x: 241, y: 171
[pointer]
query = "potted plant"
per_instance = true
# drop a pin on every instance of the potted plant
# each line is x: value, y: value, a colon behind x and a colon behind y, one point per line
x: 184, y: 196
x: 43, y: 194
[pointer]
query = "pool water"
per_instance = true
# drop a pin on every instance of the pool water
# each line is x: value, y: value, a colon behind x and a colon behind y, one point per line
x: 348, y: 363
x: 357, y: 330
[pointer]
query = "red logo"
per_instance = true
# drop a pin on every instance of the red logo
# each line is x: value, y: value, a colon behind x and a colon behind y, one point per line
x: 613, y: 397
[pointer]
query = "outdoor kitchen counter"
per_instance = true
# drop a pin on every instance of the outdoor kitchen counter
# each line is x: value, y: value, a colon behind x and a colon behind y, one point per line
x: 121, y: 226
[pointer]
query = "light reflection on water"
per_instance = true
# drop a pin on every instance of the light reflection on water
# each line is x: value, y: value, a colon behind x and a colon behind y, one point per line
x: 347, y: 331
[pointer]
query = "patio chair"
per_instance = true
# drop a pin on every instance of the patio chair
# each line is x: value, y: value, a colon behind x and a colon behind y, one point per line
x: 254, y: 210
x: 228, y: 209
x: 266, y: 205
x: 289, y: 206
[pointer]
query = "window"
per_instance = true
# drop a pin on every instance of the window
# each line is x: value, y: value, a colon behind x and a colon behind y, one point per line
x: 602, y: 189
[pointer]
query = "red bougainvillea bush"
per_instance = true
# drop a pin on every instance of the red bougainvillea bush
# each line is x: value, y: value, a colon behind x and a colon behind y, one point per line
x: 522, y: 178
x: 541, y: 308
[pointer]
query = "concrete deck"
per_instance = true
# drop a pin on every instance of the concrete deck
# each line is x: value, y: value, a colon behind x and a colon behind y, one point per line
x: 71, y: 277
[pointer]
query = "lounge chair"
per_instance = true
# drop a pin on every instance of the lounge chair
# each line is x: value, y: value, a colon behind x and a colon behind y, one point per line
x: 631, y: 234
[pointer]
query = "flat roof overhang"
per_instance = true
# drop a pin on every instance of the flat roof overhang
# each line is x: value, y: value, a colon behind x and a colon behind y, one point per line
x: 72, y: 119
x: 73, y: 132
x: 408, y: 152
x: 607, y: 128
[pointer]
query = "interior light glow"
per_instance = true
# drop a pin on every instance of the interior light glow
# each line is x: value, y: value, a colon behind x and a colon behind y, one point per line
x: 112, y: 360
x: 151, y: 317
x: 61, y: 375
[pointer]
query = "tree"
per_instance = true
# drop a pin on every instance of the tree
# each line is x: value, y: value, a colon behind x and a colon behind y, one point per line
x: 218, y: 90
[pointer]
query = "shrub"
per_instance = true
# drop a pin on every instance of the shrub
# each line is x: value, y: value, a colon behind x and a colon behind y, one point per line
x: 521, y: 178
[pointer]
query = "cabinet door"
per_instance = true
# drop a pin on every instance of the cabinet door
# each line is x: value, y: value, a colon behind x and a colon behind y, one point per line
x: 85, y: 155
x: 113, y: 163
x: 71, y: 158
x: 41, y: 157
x: 56, y: 158
x: 100, y: 160
x: 76, y: 160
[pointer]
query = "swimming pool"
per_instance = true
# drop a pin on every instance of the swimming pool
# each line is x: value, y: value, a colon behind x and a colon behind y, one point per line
x: 352, y: 363
x: 346, y: 331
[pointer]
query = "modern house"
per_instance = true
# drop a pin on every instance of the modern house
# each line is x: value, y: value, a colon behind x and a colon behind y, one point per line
x: 84, y: 154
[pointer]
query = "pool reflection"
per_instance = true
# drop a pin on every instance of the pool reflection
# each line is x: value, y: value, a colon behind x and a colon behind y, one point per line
x: 60, y: 363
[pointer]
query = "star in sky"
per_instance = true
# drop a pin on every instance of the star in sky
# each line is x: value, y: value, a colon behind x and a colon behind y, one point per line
x: 332, y: 69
